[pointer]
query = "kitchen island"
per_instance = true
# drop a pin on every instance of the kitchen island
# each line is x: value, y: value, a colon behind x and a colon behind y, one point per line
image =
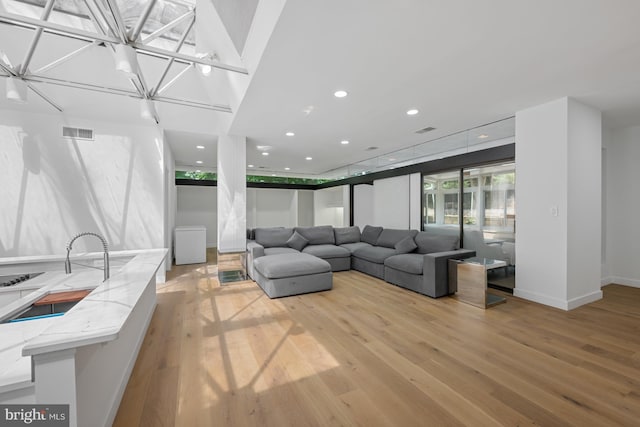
x: 83, y: 358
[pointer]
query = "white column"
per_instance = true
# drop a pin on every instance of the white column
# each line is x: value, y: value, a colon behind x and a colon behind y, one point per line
x: 558, y: 182
x: 415, y: 201
x: 232, y: 192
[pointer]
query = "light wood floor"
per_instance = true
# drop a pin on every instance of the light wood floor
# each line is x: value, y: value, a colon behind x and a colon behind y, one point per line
x: 368, y: 353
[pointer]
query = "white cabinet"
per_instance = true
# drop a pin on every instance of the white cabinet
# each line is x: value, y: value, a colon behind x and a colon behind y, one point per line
x: 191, y: 244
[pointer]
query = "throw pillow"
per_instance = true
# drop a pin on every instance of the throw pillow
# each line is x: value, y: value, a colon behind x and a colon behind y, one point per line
x: 406, y: 245
x: 370, y: 234
x: 347, y: 235
x: 297, y: 241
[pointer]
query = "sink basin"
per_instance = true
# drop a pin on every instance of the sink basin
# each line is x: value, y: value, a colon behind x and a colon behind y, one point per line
x: 51, y: 305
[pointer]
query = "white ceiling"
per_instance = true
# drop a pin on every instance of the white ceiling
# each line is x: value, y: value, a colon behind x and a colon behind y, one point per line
x: 462, y: 64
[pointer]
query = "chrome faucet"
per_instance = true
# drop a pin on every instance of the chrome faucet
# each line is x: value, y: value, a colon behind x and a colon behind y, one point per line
x: 67, y: 263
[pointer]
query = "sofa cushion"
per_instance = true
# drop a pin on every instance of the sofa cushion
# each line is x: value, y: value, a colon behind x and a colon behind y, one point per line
x: 389, y: 237
x: 351, y: 247
x: 327, y: 251
x: 409, y: 263
x: 290, y: 265
x: 347, y: 235
x: 278, y: 251
x: 297, y: 241
x: 429, y: 243
x: 405, y: 245
x: 370, y: 234
x: 319, y: 235
x: 273, y: 236
x: 376, y: 254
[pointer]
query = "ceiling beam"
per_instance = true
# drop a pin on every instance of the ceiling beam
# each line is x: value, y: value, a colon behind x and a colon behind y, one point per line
x: 97, y: 10
x: 36, y: 37
x: 173, y: 80
x: 160, y: 31
x: 43, y: 96
x: 53, y: 28
x: 188, y: 59
x: 171, y: 60
x: 121, y: 29
x: 64, y: 58
x: 123, y: 92
x: 135, y: 33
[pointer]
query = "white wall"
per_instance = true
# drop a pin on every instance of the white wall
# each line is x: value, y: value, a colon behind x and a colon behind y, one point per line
x: 623, y: 205
x: 198, y: 205
x: 558, y: 203
x: 363, y: 205
x: 271, y: 207
x: 305, y: 208
x: 170, y: 205
x: 391, y: 202
x: 232, y: 193
x: 415, y: 201
x: 54, y: 188
x: 328, y: 205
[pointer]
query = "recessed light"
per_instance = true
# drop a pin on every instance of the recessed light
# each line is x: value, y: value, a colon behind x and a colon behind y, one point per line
x: 264, y: 153
x: 199, y: 162
x: 483, y: 136
x: 198, y: 170
x: 340, y: 93
x: 290, y: 134
x: 250, y: 166
x: 287, y: 169
x: 273, y: 174
x: 344, y: 142
x: 308, y: 158
x: 412, y: 112
x: 200, y: 147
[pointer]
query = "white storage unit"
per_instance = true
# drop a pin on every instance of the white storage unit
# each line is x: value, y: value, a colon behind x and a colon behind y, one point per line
x: 191, y: 244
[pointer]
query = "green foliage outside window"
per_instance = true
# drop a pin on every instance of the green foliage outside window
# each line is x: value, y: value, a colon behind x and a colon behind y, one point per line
x: 210, y: 176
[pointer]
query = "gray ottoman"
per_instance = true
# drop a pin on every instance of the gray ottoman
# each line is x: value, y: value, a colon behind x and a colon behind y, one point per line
x: 292, y: 274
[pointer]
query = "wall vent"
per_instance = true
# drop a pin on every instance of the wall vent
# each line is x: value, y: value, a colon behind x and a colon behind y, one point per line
x: 77, y: 133
x: 425, y: 130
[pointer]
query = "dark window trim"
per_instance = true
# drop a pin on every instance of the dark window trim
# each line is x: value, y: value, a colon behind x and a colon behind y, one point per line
x: 460, y: 161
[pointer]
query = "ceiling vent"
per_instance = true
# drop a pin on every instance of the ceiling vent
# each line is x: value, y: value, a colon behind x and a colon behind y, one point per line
x: 77, y: 133
x: 425, y: 130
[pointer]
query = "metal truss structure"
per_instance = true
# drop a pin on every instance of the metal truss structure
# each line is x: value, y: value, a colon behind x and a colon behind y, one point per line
x: 111, y: 32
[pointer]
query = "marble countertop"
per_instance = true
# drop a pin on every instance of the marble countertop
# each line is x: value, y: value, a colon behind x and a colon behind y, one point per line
x: 99, y: 317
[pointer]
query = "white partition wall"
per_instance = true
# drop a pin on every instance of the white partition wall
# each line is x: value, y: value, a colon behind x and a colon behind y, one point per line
x: 232, y: 184
x: 622, y: 206
x: 328, y: 205
x: 391, y: 202
x: 198, y: 205
x: 363, y: 205
x: 271, y: 207
x: 305, y: 208
x: 415, y: 201
x: 558, y: 161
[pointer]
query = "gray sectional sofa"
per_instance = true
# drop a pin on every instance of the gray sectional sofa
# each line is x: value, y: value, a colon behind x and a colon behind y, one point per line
x: 407, y: 258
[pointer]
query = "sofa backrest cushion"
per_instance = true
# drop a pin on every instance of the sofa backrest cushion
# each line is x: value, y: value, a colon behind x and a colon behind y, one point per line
x: 405, y: 245
x: 370, y: 234
x: 318, y: 235
x: 297, y: 241
x: 429, y: 243
x: 273, y: 236
x: 346, y: 234
x: 390, y: 236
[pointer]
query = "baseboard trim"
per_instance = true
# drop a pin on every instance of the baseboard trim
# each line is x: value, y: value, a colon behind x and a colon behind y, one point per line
x: 585, y: 299
x: 540, y: 298
x: 556, y: 302
x: 606, y: 281
x: 634, y: 283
